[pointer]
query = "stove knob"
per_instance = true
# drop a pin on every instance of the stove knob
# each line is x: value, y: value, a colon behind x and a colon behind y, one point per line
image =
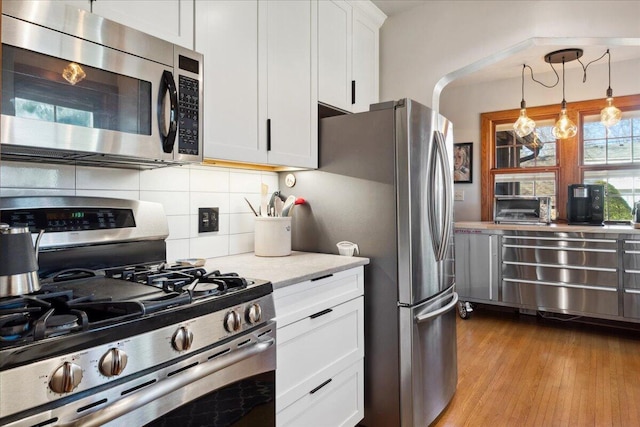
x: 113, y: 362
x: 254, y: 314
x: 232, y: 321
x: 66, y: 378
x: 182, y: 339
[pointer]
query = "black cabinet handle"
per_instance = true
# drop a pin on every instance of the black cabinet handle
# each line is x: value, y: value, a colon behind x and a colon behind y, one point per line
x: 268, y: 134
x: 353, y: 91
x: 321, y: 313
x: 321, y: 277
x: 320, y: 386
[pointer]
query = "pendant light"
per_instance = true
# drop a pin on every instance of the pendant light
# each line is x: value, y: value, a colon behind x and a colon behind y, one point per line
x: 610, y: 115
x: 524, y: 125
x: 564, y: 127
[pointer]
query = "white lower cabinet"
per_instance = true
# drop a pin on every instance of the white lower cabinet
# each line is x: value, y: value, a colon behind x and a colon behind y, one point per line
x: 319, y: 376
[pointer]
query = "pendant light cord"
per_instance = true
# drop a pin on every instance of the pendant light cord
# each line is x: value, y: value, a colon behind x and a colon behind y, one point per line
x: 584, y: 67
x: 538, y: 81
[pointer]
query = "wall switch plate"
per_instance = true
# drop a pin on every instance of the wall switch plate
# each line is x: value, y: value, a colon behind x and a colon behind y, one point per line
x: 207, y: 220
x: 458, y: 195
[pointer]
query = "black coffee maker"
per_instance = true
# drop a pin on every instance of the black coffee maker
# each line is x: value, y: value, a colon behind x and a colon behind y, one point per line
x: 585, y: 205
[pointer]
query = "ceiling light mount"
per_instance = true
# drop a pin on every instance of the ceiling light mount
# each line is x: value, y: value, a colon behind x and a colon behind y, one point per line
x: 563, y: 55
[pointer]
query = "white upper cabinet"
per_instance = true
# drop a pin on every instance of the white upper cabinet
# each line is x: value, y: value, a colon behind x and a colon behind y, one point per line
x: 170, y: 20
x: 260, y: 81
x: 288, y: 81
x: 334, y: 53
x: 227, y: 36
x: 348, y: 54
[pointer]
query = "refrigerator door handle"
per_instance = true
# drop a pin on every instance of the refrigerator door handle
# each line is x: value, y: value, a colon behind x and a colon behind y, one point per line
x: 439, y: 232
x: 448, y: 191
x: 430, y: 315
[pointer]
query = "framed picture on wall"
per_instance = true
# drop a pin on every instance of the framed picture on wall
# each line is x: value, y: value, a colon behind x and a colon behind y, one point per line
x: 463, y: 162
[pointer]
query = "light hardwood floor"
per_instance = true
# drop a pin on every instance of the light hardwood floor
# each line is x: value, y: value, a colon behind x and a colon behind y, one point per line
x: 519, y: 370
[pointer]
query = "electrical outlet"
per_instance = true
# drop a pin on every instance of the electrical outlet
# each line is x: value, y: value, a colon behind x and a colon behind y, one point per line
x: 458, y: 195
x: 207, y: 220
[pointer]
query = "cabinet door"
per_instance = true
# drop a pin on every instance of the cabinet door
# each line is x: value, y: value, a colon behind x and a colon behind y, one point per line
x: 334, y: 53
x: 365, y: 62
x: 227, y: 35
x: 288, y: 30
x: 170, y: 20
x: 476, y: 266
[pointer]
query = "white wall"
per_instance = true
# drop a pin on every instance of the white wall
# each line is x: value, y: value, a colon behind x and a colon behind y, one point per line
x: 181, y: 190
x: 424, y: 44
x: 464, y: 104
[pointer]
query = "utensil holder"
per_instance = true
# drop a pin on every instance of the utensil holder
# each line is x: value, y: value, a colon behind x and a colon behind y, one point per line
x: 272, y: 236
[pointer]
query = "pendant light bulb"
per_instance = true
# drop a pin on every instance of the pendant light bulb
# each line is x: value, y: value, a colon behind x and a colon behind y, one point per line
x: 524, y: 125
x: 610, y: 115
x: 564, y: 127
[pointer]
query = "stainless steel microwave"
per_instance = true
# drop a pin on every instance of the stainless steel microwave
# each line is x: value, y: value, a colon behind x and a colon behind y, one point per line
x: 78, y: 88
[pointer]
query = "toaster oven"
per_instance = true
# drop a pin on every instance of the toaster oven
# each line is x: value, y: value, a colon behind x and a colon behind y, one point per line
x: 522, y: 210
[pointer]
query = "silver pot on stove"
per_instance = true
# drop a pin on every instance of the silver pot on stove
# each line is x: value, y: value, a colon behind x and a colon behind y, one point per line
x: 18, y: 261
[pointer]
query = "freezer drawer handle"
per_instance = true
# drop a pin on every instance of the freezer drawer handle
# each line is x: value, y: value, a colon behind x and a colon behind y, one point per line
x: 321, y: 313
x: 438, y: 312
x: 320, y: 386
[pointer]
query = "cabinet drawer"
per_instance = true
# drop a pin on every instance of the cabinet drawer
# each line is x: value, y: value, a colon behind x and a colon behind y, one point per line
x: 317, y: 347
x: 565, y: 298
x: 303, y: 299
x: 632, y: 303
x: 336, y: 401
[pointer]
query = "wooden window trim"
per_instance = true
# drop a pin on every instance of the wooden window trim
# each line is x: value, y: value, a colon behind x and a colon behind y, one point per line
x: 569, y: 167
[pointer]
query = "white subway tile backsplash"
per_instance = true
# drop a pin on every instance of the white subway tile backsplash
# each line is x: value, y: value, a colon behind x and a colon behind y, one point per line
x: 208, y: 200
x: 209, y: 247
x: 241, y: 243
x: 271, y: 179
x: 238, y: 204
x: 174, y: 202
x: 241, y: 223
x: 107, y: 179
x: 245, y: 182
x: 177, y: 249
x: 213, y: 180
x: 114, y: 194
x: 13, y: 192
x: 181, y: 191
x: 165, y: 179
x: 178, y: 226
x: 35, y: 175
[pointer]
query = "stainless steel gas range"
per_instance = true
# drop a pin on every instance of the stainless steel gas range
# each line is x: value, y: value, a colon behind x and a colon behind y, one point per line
x: 116, y: 335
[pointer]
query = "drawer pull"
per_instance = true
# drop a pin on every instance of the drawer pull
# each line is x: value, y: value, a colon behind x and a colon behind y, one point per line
x: 320, y: 386
x: 321, y: 313
x: 322, y: 277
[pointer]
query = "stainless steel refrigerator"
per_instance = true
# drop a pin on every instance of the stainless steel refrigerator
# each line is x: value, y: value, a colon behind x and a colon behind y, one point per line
x: 385, y: 183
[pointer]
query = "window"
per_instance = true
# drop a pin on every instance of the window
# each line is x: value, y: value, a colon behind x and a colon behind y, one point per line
x: 603, y: 151
x: 538, y: 165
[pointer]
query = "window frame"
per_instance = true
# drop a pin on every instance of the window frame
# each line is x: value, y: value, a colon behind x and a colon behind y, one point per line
x: 569, y: 153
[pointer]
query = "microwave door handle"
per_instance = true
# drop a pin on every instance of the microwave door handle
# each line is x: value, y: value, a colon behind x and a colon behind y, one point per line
x: 168, y: 133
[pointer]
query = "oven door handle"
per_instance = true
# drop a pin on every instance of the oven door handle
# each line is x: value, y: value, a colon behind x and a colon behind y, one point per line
x: 164, y: 387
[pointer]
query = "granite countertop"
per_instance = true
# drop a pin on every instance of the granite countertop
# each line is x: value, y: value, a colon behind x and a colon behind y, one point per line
x: 286, y: 270
x: 552, y: 228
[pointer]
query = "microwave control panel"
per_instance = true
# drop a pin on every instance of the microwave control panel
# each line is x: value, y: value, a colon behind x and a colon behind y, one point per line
x: 189, y: 114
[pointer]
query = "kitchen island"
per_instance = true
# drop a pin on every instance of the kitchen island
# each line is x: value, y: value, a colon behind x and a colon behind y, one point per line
x: 575, y: 270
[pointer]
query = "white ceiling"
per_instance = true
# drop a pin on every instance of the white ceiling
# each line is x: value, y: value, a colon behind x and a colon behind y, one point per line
x: 511, y: 66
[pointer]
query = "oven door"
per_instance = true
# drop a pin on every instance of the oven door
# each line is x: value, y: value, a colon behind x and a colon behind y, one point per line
x: 72, y: 99
x: 228, y: 384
